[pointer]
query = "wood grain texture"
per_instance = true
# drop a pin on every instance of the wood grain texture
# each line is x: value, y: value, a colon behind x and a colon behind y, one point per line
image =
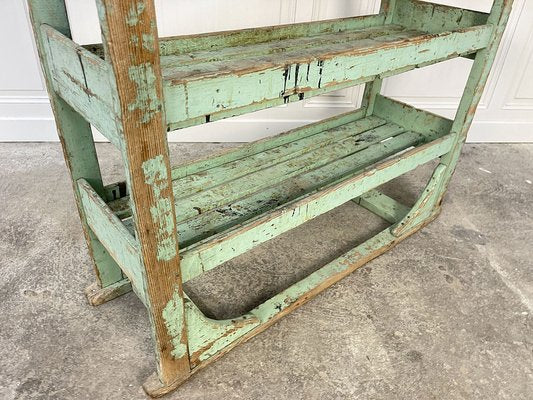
x: 131, y: 42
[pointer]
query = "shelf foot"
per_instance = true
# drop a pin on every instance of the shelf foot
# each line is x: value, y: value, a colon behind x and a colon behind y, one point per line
x: 155, y: 388
x: 97, y: 295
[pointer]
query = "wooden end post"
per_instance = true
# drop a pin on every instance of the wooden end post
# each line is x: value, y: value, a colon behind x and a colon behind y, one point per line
x: 373, y: 88
x: 499, y: 15
x: 76, y: 138
x: 131, y: 43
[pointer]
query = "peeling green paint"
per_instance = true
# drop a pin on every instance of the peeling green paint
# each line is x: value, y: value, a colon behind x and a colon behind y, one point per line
x: 134, y: 13
x: 208, y: 336
x: 148, y: 41
x: 173, y: 317
x: 147, y: 100
x: 155, y: 174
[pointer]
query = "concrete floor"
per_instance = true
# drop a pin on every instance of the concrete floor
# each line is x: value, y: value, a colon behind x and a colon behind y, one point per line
x: 446, y: 314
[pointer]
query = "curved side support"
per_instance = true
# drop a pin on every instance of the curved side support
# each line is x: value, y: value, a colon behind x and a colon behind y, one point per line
x: 426, y: 206
x: 208, y: 336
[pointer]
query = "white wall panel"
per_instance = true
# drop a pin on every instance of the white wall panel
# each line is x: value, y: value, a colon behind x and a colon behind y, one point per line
x: 505, y: 114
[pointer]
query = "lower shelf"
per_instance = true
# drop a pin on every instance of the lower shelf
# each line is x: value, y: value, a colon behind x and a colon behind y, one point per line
x: 229, y: 203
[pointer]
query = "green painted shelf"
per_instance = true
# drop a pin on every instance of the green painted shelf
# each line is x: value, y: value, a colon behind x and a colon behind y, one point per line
x: 164, y: 225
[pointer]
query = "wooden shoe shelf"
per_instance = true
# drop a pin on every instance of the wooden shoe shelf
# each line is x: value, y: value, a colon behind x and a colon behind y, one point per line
x: 166, y: 225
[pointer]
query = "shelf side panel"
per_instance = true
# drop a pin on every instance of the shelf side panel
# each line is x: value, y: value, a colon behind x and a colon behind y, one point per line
x: 114, y: 236
x: 434, y: 18
x: 84, y: 81
x: 411, y: 118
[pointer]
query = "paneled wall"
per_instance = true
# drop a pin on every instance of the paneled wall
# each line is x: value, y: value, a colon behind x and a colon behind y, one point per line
x: 505, y: 113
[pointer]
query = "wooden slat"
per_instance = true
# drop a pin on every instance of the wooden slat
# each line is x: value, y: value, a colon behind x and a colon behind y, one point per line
x: 83, y: 81
x: 110, y: 231
x: 252, y: 154
x: 238, y: 88
x: 234, y: 189
x: 382, y: 205
x: 221, y: 248
x: 226, y: 156
x: 285, y: 154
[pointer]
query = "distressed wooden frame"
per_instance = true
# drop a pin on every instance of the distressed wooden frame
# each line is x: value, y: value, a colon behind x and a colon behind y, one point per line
x: 132, y: 227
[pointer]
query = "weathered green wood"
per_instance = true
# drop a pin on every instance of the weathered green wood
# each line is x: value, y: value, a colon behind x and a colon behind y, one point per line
x: 299, y: 293
x: 424, y: 206
x: 435, y: 18
x: 272, y: 34
x: 291, y: 157
x: 232, y: 202
x: 280, y: 152
x: 118, y: 241
x: 213, y: 94
x: 245, y: 196
x: 207, y: 336
x: 220, y: 248
x: 232, y: 190
x: 265, y: 52
x: 212, y: 161
x: 130, y: 40
x: 186, y: 44
x: 83, y: 80
x: 411, y: 118
x: 499, y: 16
x: 75, y: 135
x: 382, y: 205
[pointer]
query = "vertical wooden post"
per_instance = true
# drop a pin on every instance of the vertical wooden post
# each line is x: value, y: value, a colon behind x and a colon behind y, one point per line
x: 372, y: 89
x: 75, y: 135
x: 501, y: 9
x: 131, y: 44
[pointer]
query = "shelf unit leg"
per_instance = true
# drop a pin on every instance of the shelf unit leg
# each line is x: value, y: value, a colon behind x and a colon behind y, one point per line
x: 499, y: 15
x: 78, y: 145
x: 131, y: 45
x: 429, y: 203
x: 373, y: 88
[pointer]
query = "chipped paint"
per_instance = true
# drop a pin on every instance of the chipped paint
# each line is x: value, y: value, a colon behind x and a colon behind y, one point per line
x: 173, y: 317
x: 208, y: 336
x: 148, y: 41
x: 155, y: 173
x: 147, y: 100
x: 134, y: 13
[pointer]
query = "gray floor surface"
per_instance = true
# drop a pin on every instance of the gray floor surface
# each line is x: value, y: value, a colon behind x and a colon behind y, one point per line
x: 447, y: 314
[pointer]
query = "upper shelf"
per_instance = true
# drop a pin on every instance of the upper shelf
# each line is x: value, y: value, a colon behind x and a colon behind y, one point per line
x: 213, y: 84
x: 217, y: 75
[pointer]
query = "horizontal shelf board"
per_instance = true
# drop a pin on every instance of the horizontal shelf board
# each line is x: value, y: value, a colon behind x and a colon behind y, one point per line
x: 217, y: 195
x: 207, y: 84
x: 222, y: 247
